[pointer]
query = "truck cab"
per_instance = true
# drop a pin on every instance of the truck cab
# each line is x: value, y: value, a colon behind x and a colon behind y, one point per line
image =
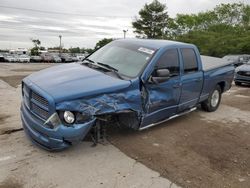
x: 135, y: 82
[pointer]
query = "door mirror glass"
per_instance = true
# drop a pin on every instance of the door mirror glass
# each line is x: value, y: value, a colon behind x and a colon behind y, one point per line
x: 161, y: 75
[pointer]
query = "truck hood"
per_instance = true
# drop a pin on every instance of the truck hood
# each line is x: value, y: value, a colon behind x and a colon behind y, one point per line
x: 72, y: 81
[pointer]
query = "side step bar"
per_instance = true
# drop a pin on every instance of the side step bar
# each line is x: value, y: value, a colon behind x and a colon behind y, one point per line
x: 172, y: 117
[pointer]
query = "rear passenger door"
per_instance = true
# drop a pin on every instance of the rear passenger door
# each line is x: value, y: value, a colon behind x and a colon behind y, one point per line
x: 191, y: 79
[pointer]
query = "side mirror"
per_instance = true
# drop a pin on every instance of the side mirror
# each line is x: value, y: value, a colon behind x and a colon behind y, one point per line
x: 162, y: 75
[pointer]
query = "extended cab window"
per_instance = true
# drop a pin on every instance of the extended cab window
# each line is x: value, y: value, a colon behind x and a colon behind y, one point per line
x: 189, y: 60
x: 169, y: 60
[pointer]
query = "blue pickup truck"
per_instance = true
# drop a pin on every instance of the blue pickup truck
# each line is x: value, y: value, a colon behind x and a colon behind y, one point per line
x: 136, y: 83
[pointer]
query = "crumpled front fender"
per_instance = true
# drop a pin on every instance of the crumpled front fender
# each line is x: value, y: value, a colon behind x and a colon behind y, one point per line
x: 107, y: 103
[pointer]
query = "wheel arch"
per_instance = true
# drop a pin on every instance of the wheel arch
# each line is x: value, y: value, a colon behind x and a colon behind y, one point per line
x: 222, y: 85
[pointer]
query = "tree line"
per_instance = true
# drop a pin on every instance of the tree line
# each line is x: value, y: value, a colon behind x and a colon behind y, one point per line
x: 217, y: 32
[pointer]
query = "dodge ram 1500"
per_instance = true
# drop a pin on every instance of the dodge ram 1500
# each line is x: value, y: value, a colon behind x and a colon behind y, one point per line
x: 137, y: 83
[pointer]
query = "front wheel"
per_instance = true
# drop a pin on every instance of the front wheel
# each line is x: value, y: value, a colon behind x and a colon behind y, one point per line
x: 213, y: 101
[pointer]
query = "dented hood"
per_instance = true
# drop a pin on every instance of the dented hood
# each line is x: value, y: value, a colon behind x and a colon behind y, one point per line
x: 71, y: 81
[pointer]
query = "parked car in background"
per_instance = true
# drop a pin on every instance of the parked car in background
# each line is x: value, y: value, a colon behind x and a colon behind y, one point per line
x: 23, y: 59
x: 66, y: 58
x: 47, y: 58
x: 237, y: 60
x: 10, y: 58
x: 74, y: 58
x: 80, y: 57
x: 56, y: 59
x: 2, y: 58
x: 35, y: 59
x: 242, y: 74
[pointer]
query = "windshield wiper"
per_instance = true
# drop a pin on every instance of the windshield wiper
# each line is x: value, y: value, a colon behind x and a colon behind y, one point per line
x: 107, y: 66
x: 112, y: 69
x: 89, y: 60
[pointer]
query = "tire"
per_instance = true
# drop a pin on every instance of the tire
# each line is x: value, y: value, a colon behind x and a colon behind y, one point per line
x: 237, y: 83
x: 213, y: 101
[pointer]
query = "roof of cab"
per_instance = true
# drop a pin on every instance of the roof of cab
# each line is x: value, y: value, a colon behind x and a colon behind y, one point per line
x: 155, y: 43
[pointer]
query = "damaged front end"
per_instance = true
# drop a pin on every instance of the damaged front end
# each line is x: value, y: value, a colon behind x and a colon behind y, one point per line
x: 53, y: 134
x: 71, y: 120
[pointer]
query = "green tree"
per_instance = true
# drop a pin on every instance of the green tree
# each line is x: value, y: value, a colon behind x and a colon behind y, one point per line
x: 102, y: 43
x: 218, y: 32
x: 75, y: 50
x: 37, y: 47
x: 89, y: 50
x: 152, y: 22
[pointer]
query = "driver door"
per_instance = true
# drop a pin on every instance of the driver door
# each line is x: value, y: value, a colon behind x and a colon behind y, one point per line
x: 163, y: 97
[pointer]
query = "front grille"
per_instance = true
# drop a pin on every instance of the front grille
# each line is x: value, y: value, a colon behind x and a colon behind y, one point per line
x: 39, y: 111
x: 35, y: 103
x: 39, y: 99
x: 244, y: 73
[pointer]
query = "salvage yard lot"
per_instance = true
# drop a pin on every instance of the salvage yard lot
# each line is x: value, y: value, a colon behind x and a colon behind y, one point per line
x: 197, y: 150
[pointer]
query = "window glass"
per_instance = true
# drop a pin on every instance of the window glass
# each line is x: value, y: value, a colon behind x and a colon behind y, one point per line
x: 189, y: 60
x: 128, y: 59
x: 169, y: 60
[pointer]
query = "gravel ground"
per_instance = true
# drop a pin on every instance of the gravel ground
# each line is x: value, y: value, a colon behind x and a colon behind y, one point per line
x: 197, y: 150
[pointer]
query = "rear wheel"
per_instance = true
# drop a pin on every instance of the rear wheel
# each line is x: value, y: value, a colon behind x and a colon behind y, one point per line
x: 213, y: 101
x: 237, y: 83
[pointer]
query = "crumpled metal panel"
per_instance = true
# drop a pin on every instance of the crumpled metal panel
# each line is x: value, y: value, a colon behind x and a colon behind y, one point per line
x: 105, y: 103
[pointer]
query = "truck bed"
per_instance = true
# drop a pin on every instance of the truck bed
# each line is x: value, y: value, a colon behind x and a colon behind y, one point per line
x: 209, y: 63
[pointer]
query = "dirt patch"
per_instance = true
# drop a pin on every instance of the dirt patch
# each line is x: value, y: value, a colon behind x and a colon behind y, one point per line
x: 237, y: 102
x: 11, y: 183
x: 191, y: 152
x: 3, y: 118
x: 243, y: 90
x: 13, y: 81
x: 240, y: 98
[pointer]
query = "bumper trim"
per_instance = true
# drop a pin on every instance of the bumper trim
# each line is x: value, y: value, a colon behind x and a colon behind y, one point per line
x: 52, y: 139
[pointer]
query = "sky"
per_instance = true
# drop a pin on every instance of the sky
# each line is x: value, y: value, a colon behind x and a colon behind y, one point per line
x: 80, y: 22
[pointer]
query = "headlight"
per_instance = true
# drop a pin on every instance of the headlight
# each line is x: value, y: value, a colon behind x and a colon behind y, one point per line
x: 69, y: 117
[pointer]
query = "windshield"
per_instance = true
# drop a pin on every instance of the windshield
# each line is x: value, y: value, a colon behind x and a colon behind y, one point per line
x: 127, y: 59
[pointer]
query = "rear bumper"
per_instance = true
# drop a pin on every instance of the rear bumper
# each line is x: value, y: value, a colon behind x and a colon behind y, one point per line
x: 52, y: 139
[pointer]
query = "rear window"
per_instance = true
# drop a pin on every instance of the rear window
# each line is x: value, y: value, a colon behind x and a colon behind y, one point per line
x: 189, y: 60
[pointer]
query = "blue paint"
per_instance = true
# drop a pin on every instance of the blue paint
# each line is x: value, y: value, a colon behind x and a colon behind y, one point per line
x: 80, y: 89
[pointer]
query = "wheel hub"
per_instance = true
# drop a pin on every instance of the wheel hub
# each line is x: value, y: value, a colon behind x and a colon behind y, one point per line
x: 215, y: 98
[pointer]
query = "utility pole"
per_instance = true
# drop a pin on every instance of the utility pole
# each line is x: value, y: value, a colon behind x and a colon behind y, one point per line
x: 60, y: 47
x: 124, y: 32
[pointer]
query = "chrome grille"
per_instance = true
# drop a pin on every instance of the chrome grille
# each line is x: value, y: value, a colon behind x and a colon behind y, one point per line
x: 39, y: 111
x: 39, y: 99
x: 35, y: 103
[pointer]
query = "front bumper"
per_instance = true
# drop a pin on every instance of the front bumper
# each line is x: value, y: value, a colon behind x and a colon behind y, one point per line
x: 52, y: 139
x: 242, y: 79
